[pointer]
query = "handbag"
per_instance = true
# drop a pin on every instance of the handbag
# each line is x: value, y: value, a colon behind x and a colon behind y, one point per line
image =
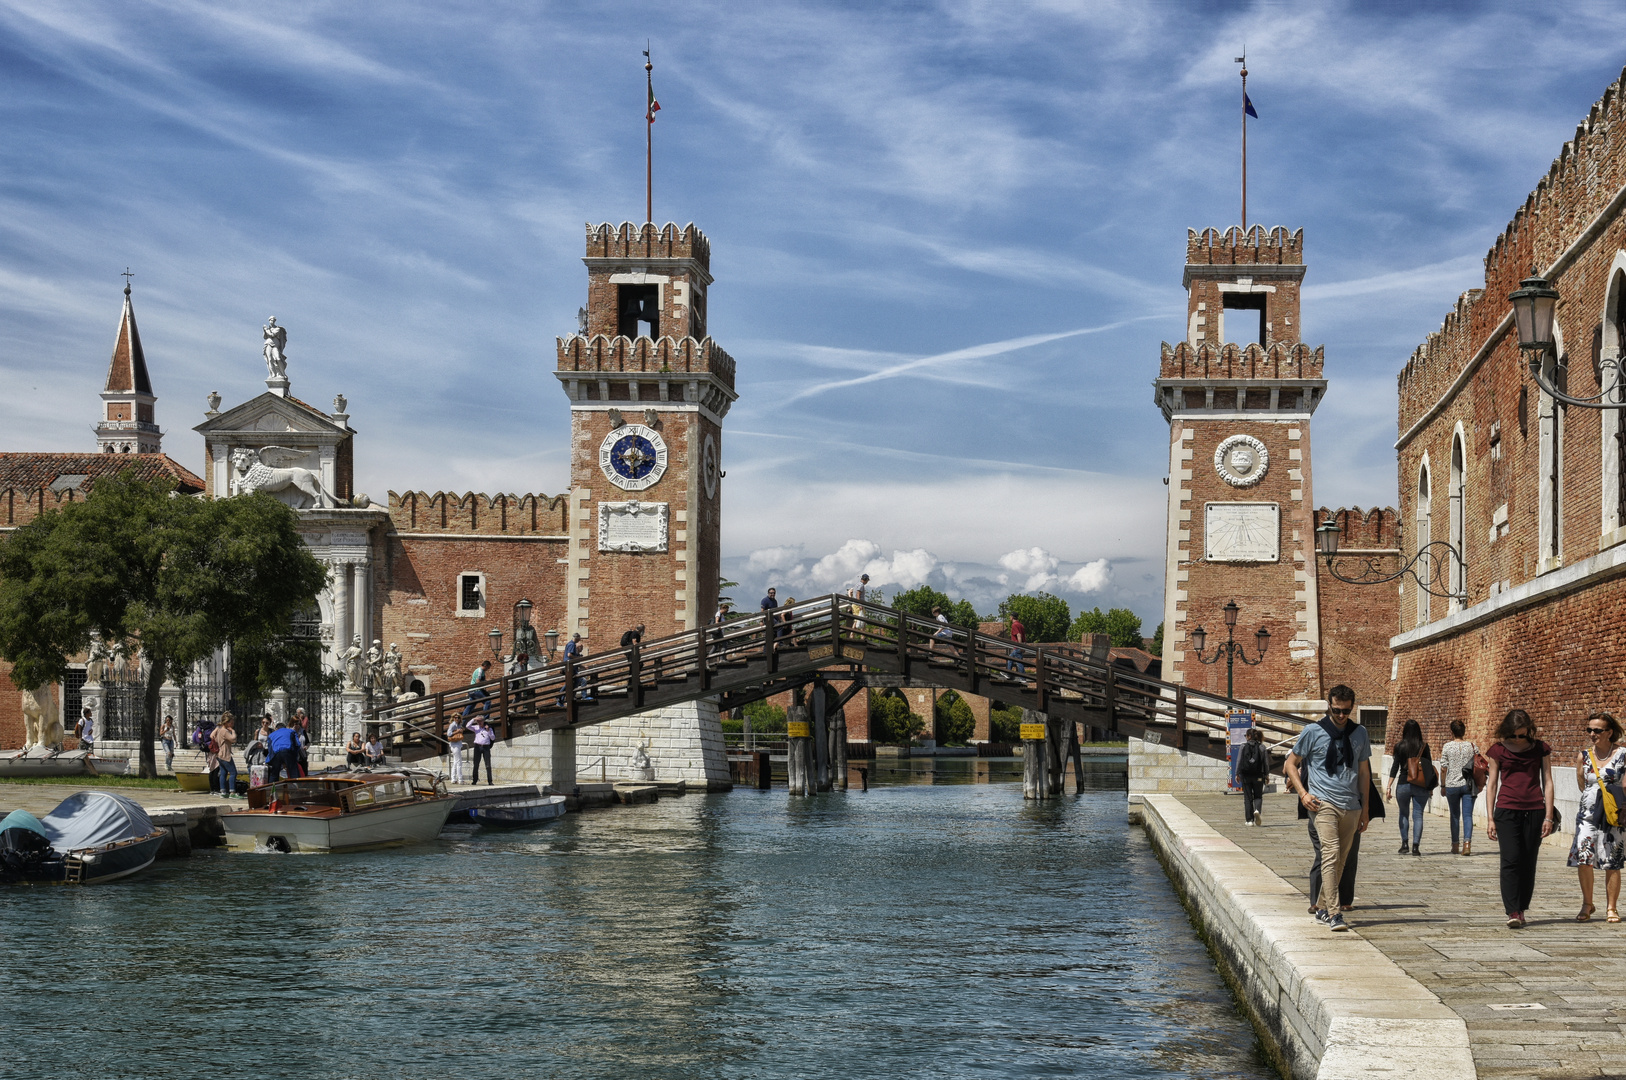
x: 456, y: 736
x: 1606, y: 798
x: 1481, y: 772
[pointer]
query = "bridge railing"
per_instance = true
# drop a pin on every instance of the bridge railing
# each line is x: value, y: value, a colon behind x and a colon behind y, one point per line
x: 828, y: 632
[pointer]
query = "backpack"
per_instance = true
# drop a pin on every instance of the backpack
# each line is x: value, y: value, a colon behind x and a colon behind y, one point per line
x: 1254, y: 762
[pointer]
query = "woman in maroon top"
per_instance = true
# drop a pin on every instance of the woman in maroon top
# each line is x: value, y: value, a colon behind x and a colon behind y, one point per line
x: 1521, y: 798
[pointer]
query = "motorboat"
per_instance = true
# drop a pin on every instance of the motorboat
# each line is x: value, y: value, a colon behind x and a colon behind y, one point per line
x: 90, y: 838
x: 341, y: 811
x: 40, y: 761
x: 521, y: 813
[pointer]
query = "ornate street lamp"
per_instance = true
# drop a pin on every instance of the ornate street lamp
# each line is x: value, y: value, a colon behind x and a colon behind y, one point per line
x: 495, y: 636
x: 1535, y: 302
x: 552, y: 638
x: 1232, y: 650
x: 1433, y: 564
x: 524, y: 633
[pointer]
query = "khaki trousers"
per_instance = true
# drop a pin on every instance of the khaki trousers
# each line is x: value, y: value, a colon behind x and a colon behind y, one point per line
x: 1337, y: 831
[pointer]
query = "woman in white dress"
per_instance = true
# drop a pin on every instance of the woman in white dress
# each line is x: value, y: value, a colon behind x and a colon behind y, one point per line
x: 1597, y: 843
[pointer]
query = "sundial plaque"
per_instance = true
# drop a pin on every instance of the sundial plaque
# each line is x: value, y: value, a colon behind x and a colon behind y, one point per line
x: 1242, y: 532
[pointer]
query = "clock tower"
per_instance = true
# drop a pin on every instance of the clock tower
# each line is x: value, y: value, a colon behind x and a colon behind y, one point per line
x: 648, y: 391
x: 1238, y: 394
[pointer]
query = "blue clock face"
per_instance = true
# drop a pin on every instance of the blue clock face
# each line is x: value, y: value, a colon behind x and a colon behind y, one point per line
x: 632, y: 457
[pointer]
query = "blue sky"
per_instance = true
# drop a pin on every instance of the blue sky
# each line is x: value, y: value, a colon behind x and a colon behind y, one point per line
x: 947, y: 237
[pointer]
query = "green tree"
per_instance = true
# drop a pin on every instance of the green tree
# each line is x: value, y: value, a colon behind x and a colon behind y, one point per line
x: 891, y: 721
x: 921, y: 599
x: 1004, y: 724
x: 955, y: 721
x: 1156, y: 648
x: 179, y: 576
x: 1044, y: 617
x: 766, y: 717
x: 1120, y: 624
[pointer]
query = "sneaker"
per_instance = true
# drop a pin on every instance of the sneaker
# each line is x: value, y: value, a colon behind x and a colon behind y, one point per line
x: 1337, y: 923
x: 1405, y: 848
x: 1515, y: 920
x: 1322, y: 917
x: 1415, y: 850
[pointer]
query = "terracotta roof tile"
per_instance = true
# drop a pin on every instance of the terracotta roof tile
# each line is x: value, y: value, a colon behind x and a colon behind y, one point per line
x: 24, y: 471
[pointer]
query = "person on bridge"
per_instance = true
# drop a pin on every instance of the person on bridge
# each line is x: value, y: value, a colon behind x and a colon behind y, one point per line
x: 1330, y: 769
x: 1019, y: 637
x: 454, y: 745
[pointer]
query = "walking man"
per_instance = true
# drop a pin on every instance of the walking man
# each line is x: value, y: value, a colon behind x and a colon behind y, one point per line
x: 1330, y: 769
x: 1019, y: 637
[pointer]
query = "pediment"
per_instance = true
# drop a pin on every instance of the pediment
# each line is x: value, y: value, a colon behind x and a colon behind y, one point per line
x: 271, y: 415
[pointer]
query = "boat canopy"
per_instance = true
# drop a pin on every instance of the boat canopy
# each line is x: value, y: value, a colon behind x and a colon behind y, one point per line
x: 22, y: 819
x: 91, y: 819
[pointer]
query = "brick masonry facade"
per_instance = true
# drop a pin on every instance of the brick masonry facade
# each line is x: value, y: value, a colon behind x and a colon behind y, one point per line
x: 1527, y: 491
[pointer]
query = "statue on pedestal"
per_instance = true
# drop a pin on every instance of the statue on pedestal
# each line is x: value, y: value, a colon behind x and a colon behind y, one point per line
x: 276, y: 340
x: 375, y: 666
x: 350, y: 661
x: 394, y: 672
x: 96, y: 664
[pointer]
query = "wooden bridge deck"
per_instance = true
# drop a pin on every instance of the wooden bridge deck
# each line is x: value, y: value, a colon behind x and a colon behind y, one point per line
x: 834, y: 638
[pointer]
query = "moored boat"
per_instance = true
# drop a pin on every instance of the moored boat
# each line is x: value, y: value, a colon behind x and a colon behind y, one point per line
x: 518, y: 813
x: 40, y: 762
x: 341, y: 812
x: 90, y: 838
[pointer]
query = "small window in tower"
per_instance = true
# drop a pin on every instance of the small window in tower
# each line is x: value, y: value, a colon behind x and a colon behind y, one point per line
x: 470, y: 593
x: 638, y: 310
x: 1238, y: 326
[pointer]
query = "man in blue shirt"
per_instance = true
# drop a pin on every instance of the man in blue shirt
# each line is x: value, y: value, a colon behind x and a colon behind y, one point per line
x: 283, y: 749
x: 1330, y: 769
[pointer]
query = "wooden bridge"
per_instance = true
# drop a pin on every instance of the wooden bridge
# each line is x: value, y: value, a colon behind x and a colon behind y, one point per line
x: 837, y: 639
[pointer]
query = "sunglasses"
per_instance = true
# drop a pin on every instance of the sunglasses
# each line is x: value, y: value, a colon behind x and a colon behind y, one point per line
x: 1597, y: 731
x: 1341, y: 712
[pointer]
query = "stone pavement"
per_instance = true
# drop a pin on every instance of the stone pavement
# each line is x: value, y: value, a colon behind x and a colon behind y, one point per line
x: 41, y: 799
x: 1547, y: 1001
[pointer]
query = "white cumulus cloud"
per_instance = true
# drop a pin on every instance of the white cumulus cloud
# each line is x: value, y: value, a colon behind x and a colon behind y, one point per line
x: 1091, y: 577
x: 1035, y: 564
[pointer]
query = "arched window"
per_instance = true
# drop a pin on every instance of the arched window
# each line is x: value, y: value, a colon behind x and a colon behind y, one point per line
x: 1458, y: 518
x: 1611, y: 336
x: 1424, y: 538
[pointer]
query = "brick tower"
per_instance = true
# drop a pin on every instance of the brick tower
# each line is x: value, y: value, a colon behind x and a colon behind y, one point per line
x: 648, y: 391
x: 126, y: 425
x: 1238, y: 394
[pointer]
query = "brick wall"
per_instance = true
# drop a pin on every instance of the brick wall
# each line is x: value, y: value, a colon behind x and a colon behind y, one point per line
x: 1357, y: 621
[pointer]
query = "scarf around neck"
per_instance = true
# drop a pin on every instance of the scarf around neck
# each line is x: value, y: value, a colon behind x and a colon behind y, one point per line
x: 1339, y: 750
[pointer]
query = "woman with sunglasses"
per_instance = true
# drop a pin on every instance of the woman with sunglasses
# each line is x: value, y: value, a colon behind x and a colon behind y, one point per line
x: 1521, y: 798
x: 1599, y: 844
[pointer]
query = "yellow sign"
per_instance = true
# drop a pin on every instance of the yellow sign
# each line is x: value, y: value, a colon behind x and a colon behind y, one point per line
x: 800, y: 729
x: 1032, y: 731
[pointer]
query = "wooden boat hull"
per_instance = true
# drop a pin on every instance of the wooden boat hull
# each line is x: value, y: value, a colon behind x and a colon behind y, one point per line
x: 61, y: 765
x: 98, y: 867
x: 404, y: 823
x: 519, y: 814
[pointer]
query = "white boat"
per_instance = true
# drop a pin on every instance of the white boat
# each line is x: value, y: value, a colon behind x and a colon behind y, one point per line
x: 42, y: 762
x: 341, y: 812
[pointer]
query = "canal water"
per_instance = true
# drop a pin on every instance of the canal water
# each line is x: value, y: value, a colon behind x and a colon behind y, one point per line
x: 921, y: 929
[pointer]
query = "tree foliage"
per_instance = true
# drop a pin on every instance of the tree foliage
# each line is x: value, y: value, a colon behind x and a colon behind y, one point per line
x: 179, y: 576
x: 1004, y: 724
x: 1044, y: 617
x: 921, y: 599
x: 1120, y: 624
x: 765, y: 716
x: 891, y: 721
x: 955, y: 721
x: 1156, y: 648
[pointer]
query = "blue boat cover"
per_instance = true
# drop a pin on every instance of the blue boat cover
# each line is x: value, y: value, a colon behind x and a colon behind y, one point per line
x: 22, y: 819
x: 89, y: 819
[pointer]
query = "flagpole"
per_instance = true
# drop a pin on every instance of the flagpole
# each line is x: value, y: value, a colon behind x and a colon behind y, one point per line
x: 1244, y: 143
x: 649, y: 143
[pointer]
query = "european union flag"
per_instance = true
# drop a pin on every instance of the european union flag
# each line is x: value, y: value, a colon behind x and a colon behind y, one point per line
x: 1247, y: 106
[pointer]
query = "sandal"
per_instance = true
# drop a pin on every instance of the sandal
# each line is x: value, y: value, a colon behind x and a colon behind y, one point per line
x: 1586, y: 914
x: 1614, y: 916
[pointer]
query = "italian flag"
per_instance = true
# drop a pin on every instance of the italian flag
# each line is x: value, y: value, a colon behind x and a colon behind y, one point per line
x: 654, y: 106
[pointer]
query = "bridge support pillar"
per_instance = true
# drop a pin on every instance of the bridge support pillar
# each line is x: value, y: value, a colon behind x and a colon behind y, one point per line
x: 838, y: 745
x: 561, y: 755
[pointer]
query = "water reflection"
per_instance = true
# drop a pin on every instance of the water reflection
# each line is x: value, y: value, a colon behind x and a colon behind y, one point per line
x: 1100, y: 773
x: 907, y: 931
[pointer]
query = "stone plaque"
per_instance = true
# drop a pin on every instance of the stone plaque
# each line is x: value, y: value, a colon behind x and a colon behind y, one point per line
x: 632, y: 527
x: 1242, y: 532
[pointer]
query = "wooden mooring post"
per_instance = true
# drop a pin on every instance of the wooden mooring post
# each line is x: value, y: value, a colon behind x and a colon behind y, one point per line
x: 799, y: 756
x: 1035, y: 784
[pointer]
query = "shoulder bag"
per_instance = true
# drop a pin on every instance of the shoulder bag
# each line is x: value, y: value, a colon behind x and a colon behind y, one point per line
x: 1606, y: 798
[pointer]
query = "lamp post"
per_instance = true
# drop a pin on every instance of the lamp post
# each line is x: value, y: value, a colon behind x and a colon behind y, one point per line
x: 1535, y: 302
x: 1431, y: 562
x: 524, y: 633
x: 1232, y: 650
x: 552, y: 639
x: 495, y: 636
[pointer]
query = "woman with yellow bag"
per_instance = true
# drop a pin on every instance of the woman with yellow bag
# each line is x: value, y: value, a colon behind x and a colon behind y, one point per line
x: 1600, y: 829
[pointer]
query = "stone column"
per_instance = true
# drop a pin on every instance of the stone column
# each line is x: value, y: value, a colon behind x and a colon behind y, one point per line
x: 561, y: 753
x: 358, y: 577
x: 341, y: 608
x: 277, y: 705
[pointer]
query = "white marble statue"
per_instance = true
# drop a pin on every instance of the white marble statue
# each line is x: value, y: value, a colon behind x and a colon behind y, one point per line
x: 394, y: 672
x: 351, y: 660
x: 641, y: 763
x: 96, y: 664
x: 41, y: 727
x: 276, y: 341
x: 375, y: 665
x: 257, y: 470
